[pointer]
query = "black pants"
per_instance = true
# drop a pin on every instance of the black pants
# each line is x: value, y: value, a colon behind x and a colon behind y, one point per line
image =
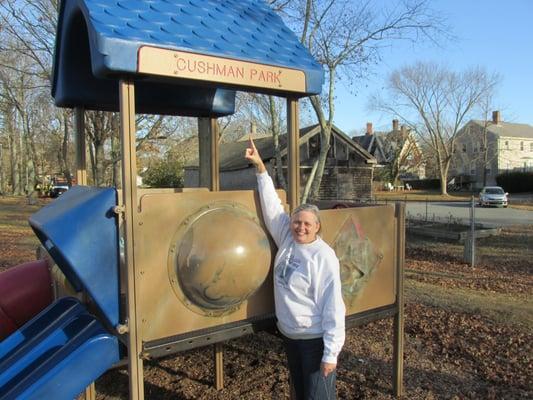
x: 304, y: 357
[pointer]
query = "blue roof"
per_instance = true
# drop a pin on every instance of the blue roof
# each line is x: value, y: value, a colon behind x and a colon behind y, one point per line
x: 98, y: 42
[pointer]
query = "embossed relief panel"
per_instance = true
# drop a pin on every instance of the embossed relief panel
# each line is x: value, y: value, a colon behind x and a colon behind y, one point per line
x: 203, y: 260
x: 364, y: 240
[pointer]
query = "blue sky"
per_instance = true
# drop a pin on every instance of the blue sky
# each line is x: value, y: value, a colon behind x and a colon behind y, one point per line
x: 494, y: 34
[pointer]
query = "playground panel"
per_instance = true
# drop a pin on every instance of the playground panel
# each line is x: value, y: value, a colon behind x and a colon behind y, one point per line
x: 204, y: 260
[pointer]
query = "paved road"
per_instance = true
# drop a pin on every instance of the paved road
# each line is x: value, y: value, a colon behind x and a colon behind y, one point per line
x: 450, y: 211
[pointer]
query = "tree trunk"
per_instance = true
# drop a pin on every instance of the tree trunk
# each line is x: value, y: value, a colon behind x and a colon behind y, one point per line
x: 64, y: 148
x: 325, y: 136
x: 275, y: 135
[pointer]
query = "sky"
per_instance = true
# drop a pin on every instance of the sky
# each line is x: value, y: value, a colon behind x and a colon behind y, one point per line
x: 494, y: 34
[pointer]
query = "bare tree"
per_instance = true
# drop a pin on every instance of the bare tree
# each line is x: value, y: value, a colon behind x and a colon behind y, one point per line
x: 268, y: 113
x: 403, y: 153
x: 487, y: 154
x: 436, y: 102
x: 346, y: 37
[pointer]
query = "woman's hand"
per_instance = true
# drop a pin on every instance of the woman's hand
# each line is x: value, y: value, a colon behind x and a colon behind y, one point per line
x: 327, y: 368
x: 254, y: 157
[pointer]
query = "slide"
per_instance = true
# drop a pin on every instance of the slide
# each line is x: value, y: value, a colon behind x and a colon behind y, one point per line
x: 56, y: 354
x: 26, y: 290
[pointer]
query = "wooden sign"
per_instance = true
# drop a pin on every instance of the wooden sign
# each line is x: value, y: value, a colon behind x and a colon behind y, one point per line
x: 181, y: 64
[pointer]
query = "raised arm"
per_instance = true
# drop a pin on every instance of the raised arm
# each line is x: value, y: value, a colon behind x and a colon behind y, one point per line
x: 276, y: 220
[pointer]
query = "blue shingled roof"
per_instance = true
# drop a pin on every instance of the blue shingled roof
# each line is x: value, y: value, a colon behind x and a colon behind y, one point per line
x: 106, y: 35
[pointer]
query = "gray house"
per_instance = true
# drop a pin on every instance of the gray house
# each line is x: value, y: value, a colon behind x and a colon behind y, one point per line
x: 397, y: 150
x: 347, y: 176
x: 485, y: 149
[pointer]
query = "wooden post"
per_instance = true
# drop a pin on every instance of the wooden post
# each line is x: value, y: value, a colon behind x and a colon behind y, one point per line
x: 209, y: 176
x: 293, y: 159
x: 208, y: 153
x: 397, y: 378
x: 81, y: 179
x: 129, y: 201
x: 81, y: 163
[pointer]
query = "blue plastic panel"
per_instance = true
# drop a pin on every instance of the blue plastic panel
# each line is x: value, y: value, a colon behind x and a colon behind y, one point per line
x: 62, y: 360
x: 98, y: 41
x: 74, y: 83
x: 79, y: 230
x: 54, y: 316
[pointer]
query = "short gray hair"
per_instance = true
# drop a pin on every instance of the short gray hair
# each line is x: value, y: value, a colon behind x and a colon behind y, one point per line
x: 308, y: 207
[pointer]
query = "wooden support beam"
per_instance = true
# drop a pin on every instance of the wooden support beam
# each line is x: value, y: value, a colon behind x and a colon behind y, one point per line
x: 293, y: 160
x: 81, y: 163
x: 129, y: 201
x: 398, y: 326
x: 208, y: 168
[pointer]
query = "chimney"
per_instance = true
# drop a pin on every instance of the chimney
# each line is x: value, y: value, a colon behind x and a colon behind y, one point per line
x: 369, y: 130
x: 253, y: 129
x: 404, y: 131
x: 395, y: 124
x: 496, y: 117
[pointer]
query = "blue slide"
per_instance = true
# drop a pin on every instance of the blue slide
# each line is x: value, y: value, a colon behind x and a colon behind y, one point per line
x: 64, y: 348
x: 56, y: 354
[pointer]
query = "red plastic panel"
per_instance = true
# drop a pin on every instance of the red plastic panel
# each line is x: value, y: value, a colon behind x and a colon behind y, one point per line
x: 25, y: 291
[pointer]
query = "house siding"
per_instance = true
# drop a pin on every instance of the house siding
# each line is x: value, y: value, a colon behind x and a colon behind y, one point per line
x: 504, y: 154
x: 346, y: 183
x: 511, y: 157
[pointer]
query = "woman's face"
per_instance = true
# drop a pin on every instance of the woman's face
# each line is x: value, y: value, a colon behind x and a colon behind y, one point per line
x: 304, y: 227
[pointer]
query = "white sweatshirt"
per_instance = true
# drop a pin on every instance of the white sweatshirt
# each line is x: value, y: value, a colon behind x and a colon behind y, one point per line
x: 307, y: 285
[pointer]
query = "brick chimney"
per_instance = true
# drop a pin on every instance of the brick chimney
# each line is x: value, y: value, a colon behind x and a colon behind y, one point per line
x: 404, y: 131
x: 395, y: 124
x: 369, y: 130
x: 496, y: 117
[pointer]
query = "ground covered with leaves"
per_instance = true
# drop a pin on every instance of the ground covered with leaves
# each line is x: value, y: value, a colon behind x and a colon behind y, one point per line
x: 468, y: 331
x: 468, y: 335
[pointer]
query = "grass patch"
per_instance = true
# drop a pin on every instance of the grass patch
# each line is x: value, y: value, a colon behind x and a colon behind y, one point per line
x: 498, y: 307
x: 422, y: 195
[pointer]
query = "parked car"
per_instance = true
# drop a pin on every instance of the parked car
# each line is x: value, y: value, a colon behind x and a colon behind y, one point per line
x: 57, y: 189
x: 493, y: 196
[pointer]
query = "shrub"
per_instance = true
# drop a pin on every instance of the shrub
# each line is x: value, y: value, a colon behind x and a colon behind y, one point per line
x: 516, y: 182
x: 423, y: 184
x: 166, y: 173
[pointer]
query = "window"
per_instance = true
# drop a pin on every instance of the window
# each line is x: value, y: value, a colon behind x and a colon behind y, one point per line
x: 521, y: 146
x: 531, y: 146
x: 464, y: 147
x: 473, y: 168
x: 506, y: 145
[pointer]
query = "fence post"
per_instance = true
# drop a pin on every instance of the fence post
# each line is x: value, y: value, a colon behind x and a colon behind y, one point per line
x: 470, y: 240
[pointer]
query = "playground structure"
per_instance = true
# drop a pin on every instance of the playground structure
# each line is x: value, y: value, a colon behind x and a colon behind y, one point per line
x: 196, y: 264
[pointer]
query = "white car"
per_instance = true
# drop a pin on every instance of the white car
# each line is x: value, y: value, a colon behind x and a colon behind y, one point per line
x: 493, y: 196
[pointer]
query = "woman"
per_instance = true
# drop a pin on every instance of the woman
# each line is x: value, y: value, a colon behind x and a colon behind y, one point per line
x: 307, y: 291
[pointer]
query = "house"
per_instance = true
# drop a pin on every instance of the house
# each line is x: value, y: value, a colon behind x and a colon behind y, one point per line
x: 397, y: 152
x: 347, y: 176
x: 485, y: 149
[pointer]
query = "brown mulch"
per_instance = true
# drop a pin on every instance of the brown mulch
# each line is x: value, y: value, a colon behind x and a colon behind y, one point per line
x: 447, y: 356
